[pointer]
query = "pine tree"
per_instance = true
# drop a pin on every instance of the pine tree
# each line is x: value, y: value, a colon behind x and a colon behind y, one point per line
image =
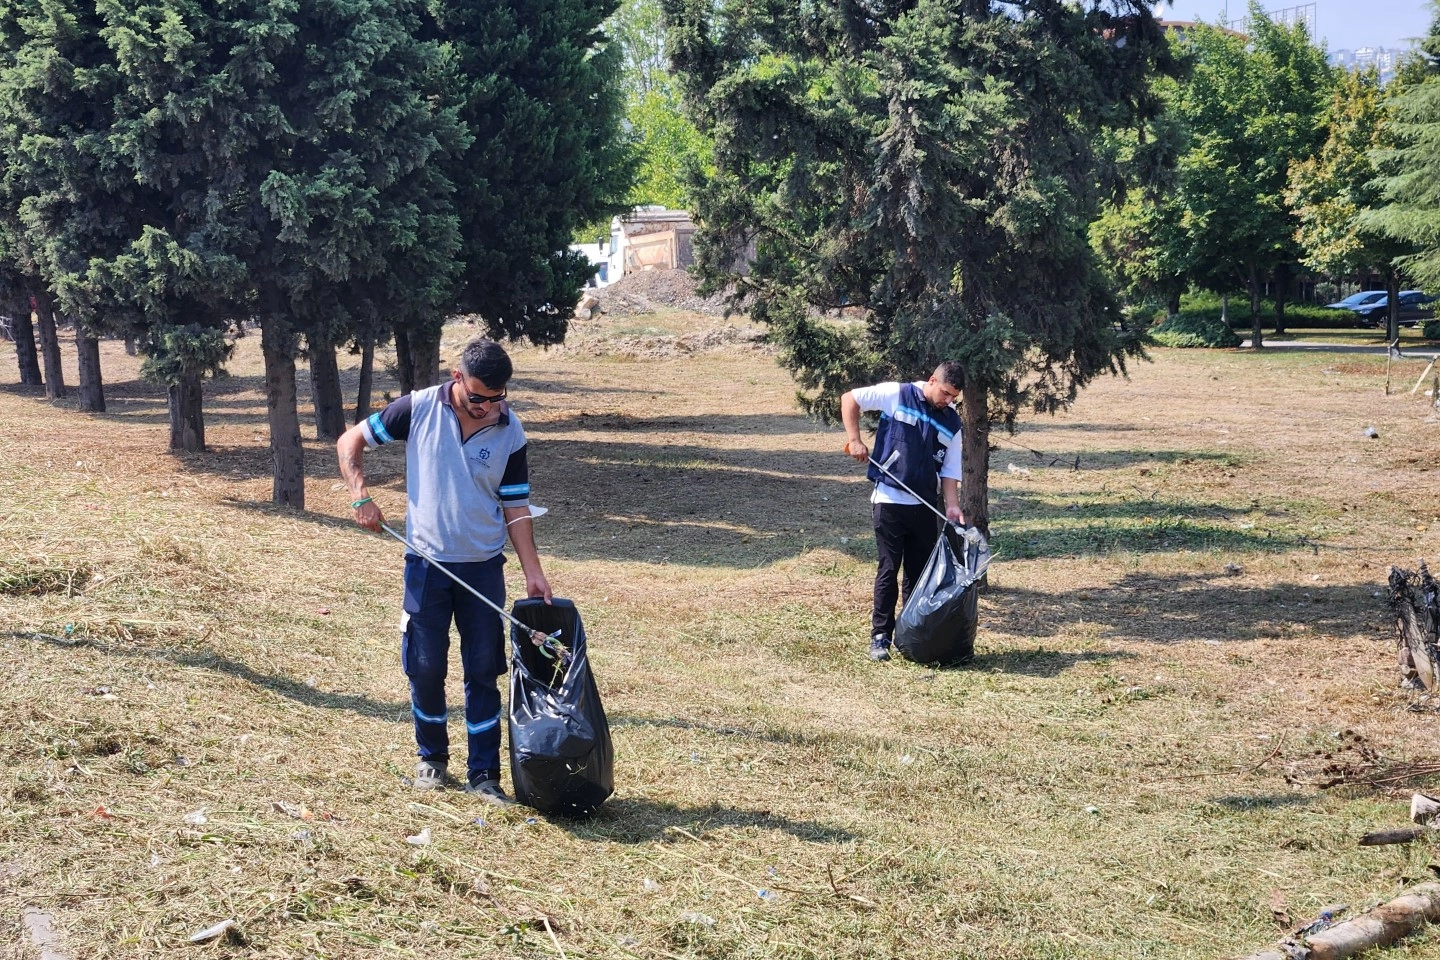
x: 537, y: 88
x: 933, y: 164
x: 293, y: 143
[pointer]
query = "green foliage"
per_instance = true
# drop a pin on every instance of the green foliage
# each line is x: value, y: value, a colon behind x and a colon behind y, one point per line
x: 671, y: 152
x: 1251, y: 110
x: 174, y: 354
x: 1328, y: 191
x: 933, y: 165
x: 1194, y: 329
x: 1409, y: 170
x: 541, y: 99
x: 1297, y: 315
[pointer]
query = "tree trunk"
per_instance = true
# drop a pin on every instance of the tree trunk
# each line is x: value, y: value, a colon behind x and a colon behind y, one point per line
x: 92, y: 386
x: 1172, y: 305
x: 367, y: 378
x: 27, y: 358
x: 49, y: 346
x: 1256, y: 339
x: 424, y: 356
x: 403, y: 364
x: 1282, y: 290
x: 287, y: 455
x: 187, y: 415
x: 1392, y: 309
x: 131, y: 347
x: 975, y: 461
x: 325, y: 391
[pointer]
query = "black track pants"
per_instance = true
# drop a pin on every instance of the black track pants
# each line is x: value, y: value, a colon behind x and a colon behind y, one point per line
x: 904, y: 536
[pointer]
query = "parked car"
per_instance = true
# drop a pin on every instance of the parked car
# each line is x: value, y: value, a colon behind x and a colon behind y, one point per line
x: 1413, y: 309
x: 1356, y: 300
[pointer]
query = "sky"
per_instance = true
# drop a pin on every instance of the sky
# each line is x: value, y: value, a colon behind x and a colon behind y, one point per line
x: 1342, y: 24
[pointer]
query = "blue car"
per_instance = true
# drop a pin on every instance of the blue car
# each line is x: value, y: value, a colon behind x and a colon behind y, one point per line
x: 1413, y: 309
x: 1356, y: 300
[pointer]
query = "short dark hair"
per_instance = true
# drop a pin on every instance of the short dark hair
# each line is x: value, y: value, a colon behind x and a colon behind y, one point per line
x: 952, y: 373
x: 486, y: 361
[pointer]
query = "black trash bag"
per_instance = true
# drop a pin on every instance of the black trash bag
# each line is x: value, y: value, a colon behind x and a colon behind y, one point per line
x: 937, y: 624
x: 561, y: 758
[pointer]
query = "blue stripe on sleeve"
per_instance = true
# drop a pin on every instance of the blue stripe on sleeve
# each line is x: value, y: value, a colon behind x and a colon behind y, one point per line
x: 377, y: 429
x: 515, y: 490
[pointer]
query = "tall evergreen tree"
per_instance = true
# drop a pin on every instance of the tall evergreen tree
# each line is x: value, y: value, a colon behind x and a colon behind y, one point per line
x: 294, y: 145
x: 536, y: 85
x: 932, y: 162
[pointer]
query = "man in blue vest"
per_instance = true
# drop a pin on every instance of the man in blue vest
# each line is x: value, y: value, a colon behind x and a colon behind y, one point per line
x: 918, y: 421
x: 467, y: 487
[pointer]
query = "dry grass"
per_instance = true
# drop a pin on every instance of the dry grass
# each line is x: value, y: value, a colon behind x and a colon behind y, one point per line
x: 206, y: 719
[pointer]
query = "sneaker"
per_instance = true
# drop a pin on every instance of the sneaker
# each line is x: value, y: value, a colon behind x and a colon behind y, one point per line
x: 879, y: 647
x: 429, y: 775
x: 489, y: 791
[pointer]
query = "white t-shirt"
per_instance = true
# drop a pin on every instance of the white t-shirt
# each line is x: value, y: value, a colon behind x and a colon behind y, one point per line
x: 884, y: 398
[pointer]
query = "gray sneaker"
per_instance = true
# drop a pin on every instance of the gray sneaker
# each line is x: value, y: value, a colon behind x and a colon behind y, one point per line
x: 489, y: 791
x: 879, y: 647
x: 429, y: 775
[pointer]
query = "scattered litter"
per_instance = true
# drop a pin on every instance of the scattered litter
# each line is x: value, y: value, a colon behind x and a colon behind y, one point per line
x: 649, y: 886
x: 699, y: 919
x: 101, y: 812
x: 197, y: 817
x: 765, y: 894
x: 478, y: 821
x: 311, y: 682
x: 430, y: 927
x: 1234, y: 568
x: 844, y: 540
x: 907, y: 759
x: 421, y: 839
x: 1095, y: 810
x: 301, y: 835
x: 1370, y: 433
x: 1018, y: 471
x: 324, y: 611
x: 293, y: 811
x: 210, y: 933
x: 531, y: 820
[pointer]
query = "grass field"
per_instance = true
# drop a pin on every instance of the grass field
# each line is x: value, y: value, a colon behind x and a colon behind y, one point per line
x: 205, y: 718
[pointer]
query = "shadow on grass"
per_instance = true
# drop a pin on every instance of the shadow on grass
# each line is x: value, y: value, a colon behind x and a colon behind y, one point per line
x: 1151, y: 608
x: 639, y: 820
x: 287, y: 687
x: 1097, y: 524
x: 1243, y: 803
x: 1038, y: 662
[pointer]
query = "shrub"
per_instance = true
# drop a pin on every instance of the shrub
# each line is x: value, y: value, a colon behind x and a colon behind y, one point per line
x: 1430, y: 329
x: 1194, y: 329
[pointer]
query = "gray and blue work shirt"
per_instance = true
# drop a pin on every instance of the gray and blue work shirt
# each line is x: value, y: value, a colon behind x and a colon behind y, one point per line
x: 455, y: 490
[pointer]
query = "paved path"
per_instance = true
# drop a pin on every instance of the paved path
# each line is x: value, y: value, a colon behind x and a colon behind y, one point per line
x: 1406, y: 353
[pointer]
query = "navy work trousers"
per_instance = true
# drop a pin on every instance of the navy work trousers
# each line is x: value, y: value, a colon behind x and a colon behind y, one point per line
x: 432, y: 601
x: 904, y: 536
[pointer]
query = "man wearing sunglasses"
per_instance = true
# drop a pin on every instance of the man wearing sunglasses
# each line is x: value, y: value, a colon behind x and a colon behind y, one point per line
x: 920, y: 428
x: 467, y: 487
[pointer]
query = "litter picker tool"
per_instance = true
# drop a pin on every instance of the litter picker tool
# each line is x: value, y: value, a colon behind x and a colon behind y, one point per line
x: 970, y: 534
x: 549, y: 643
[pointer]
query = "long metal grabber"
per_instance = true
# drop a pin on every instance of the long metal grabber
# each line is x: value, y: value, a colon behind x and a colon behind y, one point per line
x: 549, y: 643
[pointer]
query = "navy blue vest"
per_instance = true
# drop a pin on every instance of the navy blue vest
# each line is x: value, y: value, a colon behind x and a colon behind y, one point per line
x: 922, y: 434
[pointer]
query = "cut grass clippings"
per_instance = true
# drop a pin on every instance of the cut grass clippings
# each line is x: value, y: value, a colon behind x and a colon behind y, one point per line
x: 208, y: 732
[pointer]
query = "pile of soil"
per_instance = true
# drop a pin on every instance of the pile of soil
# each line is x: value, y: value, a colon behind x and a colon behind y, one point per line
x: 644, y: 292
x: 723, y: 337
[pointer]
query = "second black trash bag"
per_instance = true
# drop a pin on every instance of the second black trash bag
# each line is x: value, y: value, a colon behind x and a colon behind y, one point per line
x: 561, y: 758
x: 937, y: 623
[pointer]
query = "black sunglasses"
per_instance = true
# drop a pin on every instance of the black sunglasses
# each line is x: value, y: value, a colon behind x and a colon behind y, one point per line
x: 477, y: 398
